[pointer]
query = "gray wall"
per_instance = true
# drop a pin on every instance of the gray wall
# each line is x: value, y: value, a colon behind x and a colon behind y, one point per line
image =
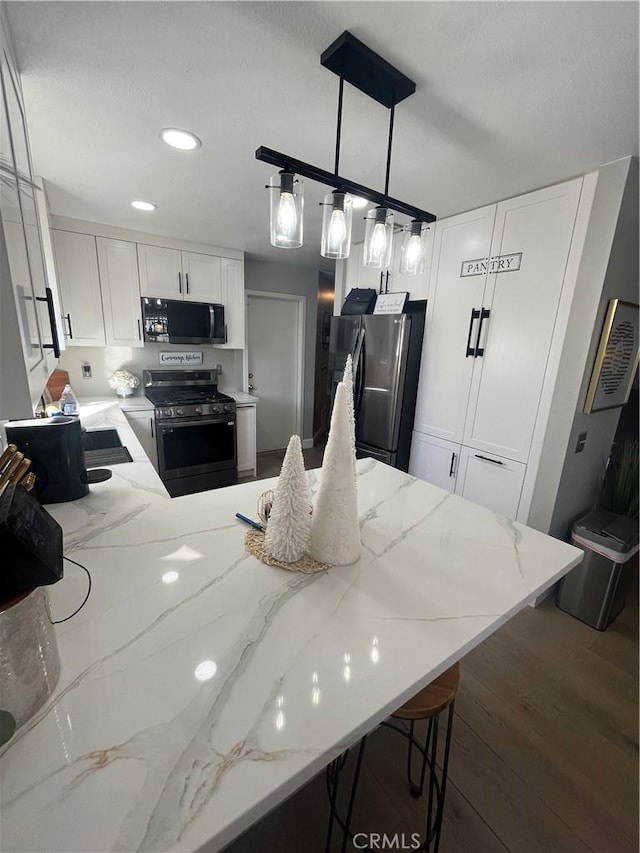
x: 568, y: 482
x: 274, y: 277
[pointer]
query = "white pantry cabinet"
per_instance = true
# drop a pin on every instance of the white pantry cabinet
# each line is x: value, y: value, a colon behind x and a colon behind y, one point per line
x: 246, y: 439
x: 79, y: 283
x: 142, y: 423
x: 434, y: 460
x: 490, y: 481
x: 489, y: 332
x: 118, y: 268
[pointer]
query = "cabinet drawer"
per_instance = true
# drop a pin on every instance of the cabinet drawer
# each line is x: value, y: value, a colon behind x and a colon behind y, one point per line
x: 491, y: 481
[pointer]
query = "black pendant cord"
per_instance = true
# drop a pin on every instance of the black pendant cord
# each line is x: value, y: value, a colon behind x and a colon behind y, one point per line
x: 339, y: 126
x: 386, y: 180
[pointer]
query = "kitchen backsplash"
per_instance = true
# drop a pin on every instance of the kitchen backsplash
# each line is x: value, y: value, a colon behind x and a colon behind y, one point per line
x: 106, y: 360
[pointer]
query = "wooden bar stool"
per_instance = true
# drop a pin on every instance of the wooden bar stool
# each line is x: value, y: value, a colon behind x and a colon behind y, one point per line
x: 428, y: 704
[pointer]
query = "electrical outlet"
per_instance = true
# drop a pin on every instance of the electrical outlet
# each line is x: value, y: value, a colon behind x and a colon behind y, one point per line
x: 582, y: 440
x: 218, y: 369
x: 86, y: 371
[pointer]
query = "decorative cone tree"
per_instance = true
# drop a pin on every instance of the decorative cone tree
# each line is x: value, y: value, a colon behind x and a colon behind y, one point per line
x: 289, y: 526
x: 347, y: 378
x: 335, y: 529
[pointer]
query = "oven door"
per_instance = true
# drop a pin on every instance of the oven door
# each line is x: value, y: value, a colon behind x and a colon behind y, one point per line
x: 190, y: 447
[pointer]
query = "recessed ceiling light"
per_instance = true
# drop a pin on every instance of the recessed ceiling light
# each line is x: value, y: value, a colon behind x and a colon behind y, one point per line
x: 182, y: 139
x: 358, y: 202
x: 143, y: 205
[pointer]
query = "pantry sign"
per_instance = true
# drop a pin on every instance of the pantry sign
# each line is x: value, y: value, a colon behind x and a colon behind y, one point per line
x: 499, y: 263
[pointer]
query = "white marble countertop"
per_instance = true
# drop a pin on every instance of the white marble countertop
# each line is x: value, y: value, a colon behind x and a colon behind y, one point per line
x: 135, y: 752
x: 241, y: 397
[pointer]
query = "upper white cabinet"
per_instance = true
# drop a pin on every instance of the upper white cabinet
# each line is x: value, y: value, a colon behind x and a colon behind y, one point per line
x: 160, y: 272
x: 447, y: 365
x: 201, y: 277
x: 79, y: 282
x: 172, y: 274
x: 118, y: 268
x: 232, y: 297
x: 390, y: 280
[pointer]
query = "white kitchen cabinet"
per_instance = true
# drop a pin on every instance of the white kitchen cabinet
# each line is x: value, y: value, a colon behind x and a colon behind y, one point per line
x: 360, y: 276
x: 447, y: 367
x: 119, y: 283
x: 201, y: 277
x: 434, y: 460
x: 417, y: 286
x: 496, y: 283
x: 160, y: 272
x: 79, y: 282
x: 143, y: 425
x: 246, y: 439
x: 516, y: 336
x: 491, y: 481
x: 233, y: 299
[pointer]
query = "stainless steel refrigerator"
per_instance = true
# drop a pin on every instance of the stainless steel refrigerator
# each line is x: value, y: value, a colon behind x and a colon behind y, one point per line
x: 386, y: 351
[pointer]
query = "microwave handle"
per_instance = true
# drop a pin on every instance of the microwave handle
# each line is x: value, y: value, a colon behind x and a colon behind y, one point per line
x: 225, y: 333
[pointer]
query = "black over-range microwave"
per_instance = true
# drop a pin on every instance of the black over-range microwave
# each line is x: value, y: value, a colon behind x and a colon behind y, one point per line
x: 172, y: 321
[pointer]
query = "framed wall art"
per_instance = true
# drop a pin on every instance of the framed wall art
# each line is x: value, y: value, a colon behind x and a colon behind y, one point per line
x: 616, y: 359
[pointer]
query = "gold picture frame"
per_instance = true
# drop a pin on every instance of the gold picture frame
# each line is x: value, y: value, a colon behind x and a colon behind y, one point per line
x: 616, y: 359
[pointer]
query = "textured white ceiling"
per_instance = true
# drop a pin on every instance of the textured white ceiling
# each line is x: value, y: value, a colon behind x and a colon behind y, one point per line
x: 511, y: 96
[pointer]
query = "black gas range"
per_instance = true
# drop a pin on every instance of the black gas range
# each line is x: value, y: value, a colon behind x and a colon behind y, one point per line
x: 195, y: 429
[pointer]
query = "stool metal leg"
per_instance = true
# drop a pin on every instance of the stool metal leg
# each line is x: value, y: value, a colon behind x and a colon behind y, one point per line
x: 445, y: 770
x: 346, y: 829
x: 432, y: 782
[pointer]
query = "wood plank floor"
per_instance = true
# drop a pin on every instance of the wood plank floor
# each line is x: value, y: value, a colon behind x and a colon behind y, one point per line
x: 544, y: 756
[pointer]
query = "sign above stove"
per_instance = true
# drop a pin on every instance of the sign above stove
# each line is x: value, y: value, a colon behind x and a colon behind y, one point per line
x: 180, y: 359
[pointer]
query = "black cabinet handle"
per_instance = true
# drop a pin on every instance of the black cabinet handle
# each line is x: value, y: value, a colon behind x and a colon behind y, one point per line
x: 474, y: 316
x: 484, y: 314
x: 186, y: 278
x: 381, y: 280
x: 152, y: 436
x: 225, y: 333
x: 55, y: 345
x: 487, y: 459
x: 386, y: 284
x: 68, y: 316
x: 453, y: 462
x: 179, y: 282
x: 139, y: 332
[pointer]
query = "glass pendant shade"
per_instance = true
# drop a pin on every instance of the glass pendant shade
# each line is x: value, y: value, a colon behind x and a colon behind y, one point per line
x: 378, y: 238
x: 287, y: 202
x: 414, y: 248
x: 336, y: 225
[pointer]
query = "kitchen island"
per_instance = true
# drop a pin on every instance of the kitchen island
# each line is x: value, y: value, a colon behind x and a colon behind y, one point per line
x: 199, y: 687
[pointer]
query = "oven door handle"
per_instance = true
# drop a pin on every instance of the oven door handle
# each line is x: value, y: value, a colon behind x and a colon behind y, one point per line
x: 230, y: 418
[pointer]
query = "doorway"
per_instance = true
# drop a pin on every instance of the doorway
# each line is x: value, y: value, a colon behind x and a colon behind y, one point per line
x: 275, y: 350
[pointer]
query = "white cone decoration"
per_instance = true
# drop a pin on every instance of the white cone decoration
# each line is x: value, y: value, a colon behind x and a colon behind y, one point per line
x: 289, y: 527
x: 347, y: 378
x: 335, y: 530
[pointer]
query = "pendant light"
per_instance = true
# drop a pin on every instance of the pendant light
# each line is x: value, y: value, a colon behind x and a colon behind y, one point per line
x: 414, y: 248
x: 378, y: 238
x: 336, y: 225
x: 351, y: 60
x: 287, y: 201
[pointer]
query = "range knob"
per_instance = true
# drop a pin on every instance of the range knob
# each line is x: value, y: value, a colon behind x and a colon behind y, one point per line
x: 168, y: 413
x: 228, y: 407
x: 216, y: 409
x: 197, y: 410
x: 179, y: 412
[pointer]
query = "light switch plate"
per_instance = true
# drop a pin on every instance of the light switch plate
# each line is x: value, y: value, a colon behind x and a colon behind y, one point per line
x: 86, y: 371
x: 582, y: 440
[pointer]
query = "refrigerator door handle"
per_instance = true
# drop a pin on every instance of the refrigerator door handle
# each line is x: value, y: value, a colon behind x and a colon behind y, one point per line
x: 361, y: 372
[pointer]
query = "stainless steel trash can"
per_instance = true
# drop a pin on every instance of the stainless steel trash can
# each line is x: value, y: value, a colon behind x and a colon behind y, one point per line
x: 595, y: 591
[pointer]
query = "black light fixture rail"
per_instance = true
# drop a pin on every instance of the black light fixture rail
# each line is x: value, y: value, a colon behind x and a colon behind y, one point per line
x: 322, y: 176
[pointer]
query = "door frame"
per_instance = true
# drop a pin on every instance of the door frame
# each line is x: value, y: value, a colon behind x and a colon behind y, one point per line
x: 300, y: 349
